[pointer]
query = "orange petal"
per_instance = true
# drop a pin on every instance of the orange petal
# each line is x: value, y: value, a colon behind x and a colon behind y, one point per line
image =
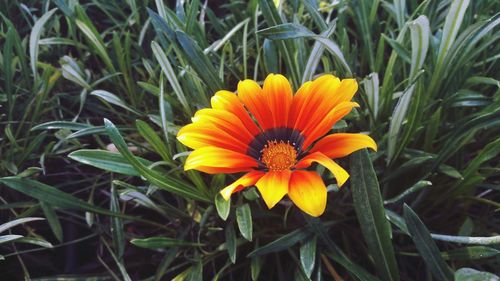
x: 343, y: 144
x: 313, y: 101
x: 198, y: 135
x: 308, y: 192
x: 278, y: 93
x: 225, y: 121
x: 252, y: 96
x: 298, y: 108
x: 248, y: 179
x: 273, y: 186
x: 214, y: 160
x: 319, y: 130
x: 229, y: 101
x: 340, y: 174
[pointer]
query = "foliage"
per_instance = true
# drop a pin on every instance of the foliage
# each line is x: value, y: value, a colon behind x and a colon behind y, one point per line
x: 92, y: 94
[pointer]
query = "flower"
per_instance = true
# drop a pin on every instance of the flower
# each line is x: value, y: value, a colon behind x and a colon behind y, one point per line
x: 273, y: 136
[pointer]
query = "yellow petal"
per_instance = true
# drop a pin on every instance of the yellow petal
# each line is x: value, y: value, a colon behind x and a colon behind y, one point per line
x: 198, y: 135
x: 248, y: 179
x: 340, y: 174
x: 343, y: 144
x: 273, y: 186
x: 225, y: 121
x: 229, y: 101
x: 308, y: 192
x: 214, y: 160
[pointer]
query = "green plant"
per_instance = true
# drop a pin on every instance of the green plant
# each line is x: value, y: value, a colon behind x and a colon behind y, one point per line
x: 78, y: 76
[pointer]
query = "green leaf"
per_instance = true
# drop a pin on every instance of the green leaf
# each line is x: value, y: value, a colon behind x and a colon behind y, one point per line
x: 271, y: 58
x: 308, y: 256
x: 153, y: 139
x: 113, y: 99
x: 397, y: 119
x: 53, y: 220
x: 161, y: 242
x: 54, y: 196
x: 471, y: 253
x: 96, y: 42
x: 371, y: 86
x: 171, y: 76
x: 231, y: 242
x: 284, y: 242
x: 199, y: 62
x: 287, y: 49
x: 414, y: 188
x: 468, y: 239
x: 34, y: 241
x: 162, y: 181
x: 469, y: 274
x: 36, y: 31
x: 8, y: 54
x: 61, y: 125
x: 420, y: 33
x: 10, y: 224
x: 9, y: 238
x: 255, y: 267
x: 371, y: 215
x: 398, y: 48
x: 452, y: 24
x: 107, y: 160
x: 196, y: 272
x: 490, y: 151
x: 335, y: 253
x: 223, y: 207
x: 290, y: 31
x: 316, y: 52
x: 116, y: 226
x: 74, y: 75
x: 286, y: 31
x: 426, y: 246
x: 244, y: 219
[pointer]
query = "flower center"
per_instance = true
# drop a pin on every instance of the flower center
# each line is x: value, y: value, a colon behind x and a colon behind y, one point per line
x: 278, y: 156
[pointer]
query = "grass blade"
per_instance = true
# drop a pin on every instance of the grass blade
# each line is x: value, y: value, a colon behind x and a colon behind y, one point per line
x: 397, y: 120
x: 426, y: 246
x: 420, y: 33
x: 170, y: 74
x: 35, y: 36
x: 114, y: 99
x: 231, y: 242
x: 452, y: 24
x: 282, y: 243
x: 54, y: 196
x: 53, y: 219
x: 161, y: 242
x: 107, y: 160
x: 11, y: 224
x: 371, y: 215
x: 469, y: 274
x: 165, y: 182
x: 308, y: 256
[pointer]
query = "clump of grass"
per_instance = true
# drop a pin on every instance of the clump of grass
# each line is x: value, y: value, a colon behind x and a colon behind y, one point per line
x: 93, y: 94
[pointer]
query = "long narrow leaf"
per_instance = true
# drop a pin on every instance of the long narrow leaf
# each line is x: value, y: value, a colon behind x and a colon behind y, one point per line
x: 371, y: 215
x: 425, y: 246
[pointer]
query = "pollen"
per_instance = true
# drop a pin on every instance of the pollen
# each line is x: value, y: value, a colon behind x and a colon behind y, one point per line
x: 279, y: 156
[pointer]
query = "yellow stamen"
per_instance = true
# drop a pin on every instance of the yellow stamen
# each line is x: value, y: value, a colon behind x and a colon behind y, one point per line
x: 279, y: 156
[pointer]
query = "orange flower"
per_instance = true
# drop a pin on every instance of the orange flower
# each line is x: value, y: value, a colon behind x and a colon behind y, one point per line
x: 273, y: 136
